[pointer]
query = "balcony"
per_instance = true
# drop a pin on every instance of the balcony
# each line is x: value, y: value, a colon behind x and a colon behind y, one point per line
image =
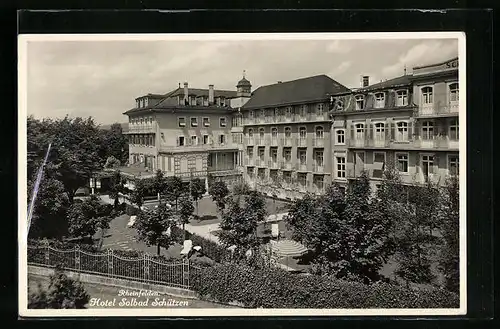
x: 286, y: 165
x: 318, y: 142
x: 274, y: 141
x: 310, y: 117
x: 433, y: 110
x: 261, y: 141
x: 259, y: 162
x: 319, y: 168
x: 442, y: 142
x: 141, y: 129
x: 301, y: 142
x: 200, y: 147
x: 301, y: 167
x: 273, y: 164
x: 287, y: 142
x: 384, y: 143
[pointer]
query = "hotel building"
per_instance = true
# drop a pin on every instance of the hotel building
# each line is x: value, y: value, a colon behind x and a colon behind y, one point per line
x: 187, y: 133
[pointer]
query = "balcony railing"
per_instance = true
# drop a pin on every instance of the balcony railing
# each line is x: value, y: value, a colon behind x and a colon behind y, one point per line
x: 141, y: 129
x: 274, y: 141
x: 318, y: 142
x: 441, y: 142
x: 430, y: 110
x: 260, y: 162
x: 273, y: 164
x: 287, y: 141
x: 301, y: 167
x: 287, y: 165
x: 250, y: 141
x: 261, y: 141
x: 301, y: 142
x: 249, y: 162
x: 287, y: 118
x: 319, y: 168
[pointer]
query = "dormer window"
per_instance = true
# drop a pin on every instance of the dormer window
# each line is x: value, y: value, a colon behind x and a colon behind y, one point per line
x: 137, y: 103
x: 402, y: 98
x: 262, y: 113
x: 222, y: 101
x: 206, y: 122
x: 251, y: 114
x: 192, y: 100
x: 194, y: 122
x: 453, y: 92
x: 146, y: 100
x: 379, y: 100
x: 360, y: 102
x: 319, y: 109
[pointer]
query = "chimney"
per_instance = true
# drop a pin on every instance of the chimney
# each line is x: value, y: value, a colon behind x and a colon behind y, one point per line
x: 210, y: 94
x: 365, y: 82
x: 186, y: 93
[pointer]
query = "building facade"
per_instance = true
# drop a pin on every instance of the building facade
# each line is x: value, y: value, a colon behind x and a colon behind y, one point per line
x: 186, y: 133
x: 286, y: 136
x: 410, y: 122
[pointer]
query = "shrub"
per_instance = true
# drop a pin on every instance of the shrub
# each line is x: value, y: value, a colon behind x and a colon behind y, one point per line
x: 131, y: 210
x: 276, y: 288
x: 209, y: 248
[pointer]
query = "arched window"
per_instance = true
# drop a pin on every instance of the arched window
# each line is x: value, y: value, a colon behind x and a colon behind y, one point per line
x: 360, y: 131
x: 288, y: 132
x: 402, y: 131
x: 427, y: 96
x: 250, y: 133
x: 319, y: 132
x: 274, y: 132
x: 261, y: 132
x: 302, y: 132
x: 453, y: 92
x: 402, y: 98
x: 379, y: 131
x: 428, y: 130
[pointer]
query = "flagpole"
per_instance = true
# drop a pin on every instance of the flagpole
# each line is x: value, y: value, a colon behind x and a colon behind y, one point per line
x: 36, y: 187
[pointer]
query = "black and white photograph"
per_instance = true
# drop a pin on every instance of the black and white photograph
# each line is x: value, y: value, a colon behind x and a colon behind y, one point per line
x: 250, y: 174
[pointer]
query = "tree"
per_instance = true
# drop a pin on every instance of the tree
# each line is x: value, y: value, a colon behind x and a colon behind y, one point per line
x: 117, y: 186
x: 114, y: 143
x: 139, y: 192
x: 239, y: 223
x: 197, y: 190
x: 88, y: 216
x: 185, y: 212
x: 174, y: 189
x: 51, y: 207
x: 159, y: 183
x: 219, y: 191
x: 449, y: 258
x: 152, y: 225
x: 112, y: 162
x: 62, y: 293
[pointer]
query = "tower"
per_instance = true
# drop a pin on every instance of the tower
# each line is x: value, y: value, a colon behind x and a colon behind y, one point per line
x: 244, y: 87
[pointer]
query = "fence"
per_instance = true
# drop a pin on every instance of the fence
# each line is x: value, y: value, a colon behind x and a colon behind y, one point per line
x: 143, y: 269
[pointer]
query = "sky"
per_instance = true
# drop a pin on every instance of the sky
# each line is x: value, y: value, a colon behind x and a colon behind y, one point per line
x: 101, y: 79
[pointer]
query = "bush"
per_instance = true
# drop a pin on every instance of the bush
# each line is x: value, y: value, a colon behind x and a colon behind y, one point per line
x: 276, y: 288
x: 209, y: 248
x: 131, y: 210
x: 63, y: 292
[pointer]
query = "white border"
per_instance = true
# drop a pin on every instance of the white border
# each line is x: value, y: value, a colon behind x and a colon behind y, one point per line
x: 22, y: 174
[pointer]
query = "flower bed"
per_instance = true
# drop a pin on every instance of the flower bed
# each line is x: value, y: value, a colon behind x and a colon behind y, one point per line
x: 275, y: 288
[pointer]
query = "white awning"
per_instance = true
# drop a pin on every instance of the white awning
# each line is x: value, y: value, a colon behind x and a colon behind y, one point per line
x: 378, y: 166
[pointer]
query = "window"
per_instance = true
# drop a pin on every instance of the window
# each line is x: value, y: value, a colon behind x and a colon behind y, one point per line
x: 261, y: 133
x: 319, y: 181
x: 427, y: 95
x: 427, y: 165
x: 261, y: 173
x: 379, y: 131
x: 319, y: 132
x: 273, y: 174
x: 206, y: 122
x: 453, y: 165
x: 276, y: 112
x: 453, y: 92
x: 402, y: 131
x: 287, y: 177
x: 302, y: 178
x: 262, y: 113
x: 402, y: 98
x: 261, y: 151
x: 222, y: 122
x: 302, y: 157
x: 302, y: 132
x: 251, y: 114
x: 378, y: 164
x: 205, y: 139
x: 360, y: 102
x: 379, y: 100
x: 319, y: 109
x: 274, y: 133
x: 274, y: 154
x: 250, y: 172
x: 194, y: 122
x: 428, y: 130
x: 194, y: 140
x: 402, y: 162
x: 250, y: 133
x: 222, y: 139
x: 288, y: 132
x: 319, y: 158
x: 340, y: 167
x: 359, y: 129
x: 222, y: 101
x: 287, y: 154
x: 180, y: 141
x: 181, y: 121
x: 303, y: 111
x: 288, y: 112
x: 454, y: 129
x: 250, y: 152
x: 199, y: 101
x: 340, y: 139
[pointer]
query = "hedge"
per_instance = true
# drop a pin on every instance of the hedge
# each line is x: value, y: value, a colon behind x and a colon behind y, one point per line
x: 211, y: 249
x: 276, y: 288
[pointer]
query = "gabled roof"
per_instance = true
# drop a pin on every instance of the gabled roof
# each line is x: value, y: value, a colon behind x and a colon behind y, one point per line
x: 295, y: 91
x: 391, y: 83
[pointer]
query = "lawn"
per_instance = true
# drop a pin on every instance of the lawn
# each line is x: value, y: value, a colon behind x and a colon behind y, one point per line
x: 109, y: 293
